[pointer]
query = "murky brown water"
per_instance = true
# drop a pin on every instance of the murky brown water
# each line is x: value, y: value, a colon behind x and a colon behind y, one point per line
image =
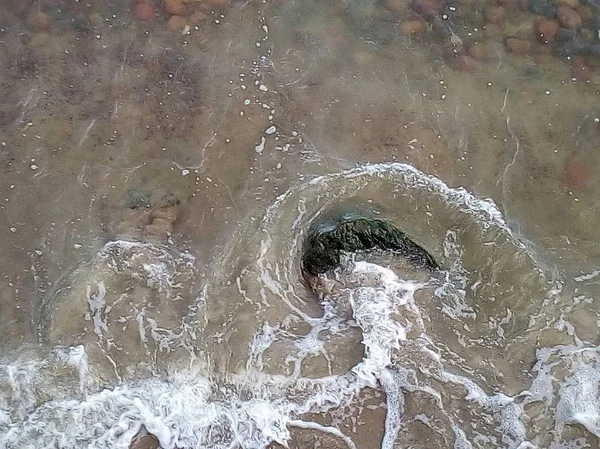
x: 159, y: 173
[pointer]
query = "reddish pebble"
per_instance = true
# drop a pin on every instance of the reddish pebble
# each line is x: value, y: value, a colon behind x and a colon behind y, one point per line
x: 495, y: 15
x: 578, y: 175
x: 547, y: 29
x: 568, y: 18
x: 144, y: 11
x: 518, y: 46
x: 412, y: 28
x: 173, y: 7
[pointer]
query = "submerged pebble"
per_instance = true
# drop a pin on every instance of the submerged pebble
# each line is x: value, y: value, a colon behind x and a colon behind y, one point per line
x: 412, y: 28
x: 173, y: 6
x: 547, y: 29
x: 578, y: 175
x: 518, y: 46
x: 176, y: 23
x: 144, y: 11
x: 39, y: 21
x: 568, y: 18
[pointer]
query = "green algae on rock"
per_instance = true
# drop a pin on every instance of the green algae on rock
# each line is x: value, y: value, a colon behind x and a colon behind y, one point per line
x: 351, y: 232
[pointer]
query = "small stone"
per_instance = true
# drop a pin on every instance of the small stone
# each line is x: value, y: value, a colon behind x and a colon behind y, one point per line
x: 176, y: 23
x: 495, y: 15
x: 569, y: 3
x: 145, y: 441
x: 96, y: 20
x: 173, y: 7
x: 578, y: 175
x: 39, y: 21
x: 465, y: 63
x: 518, y: 46
x: 412, y: 28
x: 568, y: 18
x: 547, y: 29
x: 587, y: 14
x: 477, y: 51
x: 144, y: 11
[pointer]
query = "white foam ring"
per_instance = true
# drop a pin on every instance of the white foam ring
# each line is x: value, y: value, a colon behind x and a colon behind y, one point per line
x: 250, y: 410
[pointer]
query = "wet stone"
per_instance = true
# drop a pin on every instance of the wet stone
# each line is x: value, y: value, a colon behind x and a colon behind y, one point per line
x: 568, y: 18
x: 543, y: 8
x: 352, y: 232
x: 39, y: 21
x: 518, y: 46
x: 144, y: 441
x: 412, y: 28
x: 96, y: 20
x: 176, y: 23
x: 569, y: 3
x: 547, y: 29
x: 173, y: 7
x: 144, y: 11
x: 464, y: 63
x: 578, y: 175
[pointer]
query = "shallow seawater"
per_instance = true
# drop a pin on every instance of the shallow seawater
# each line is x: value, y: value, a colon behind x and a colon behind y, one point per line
x: 163, y: 162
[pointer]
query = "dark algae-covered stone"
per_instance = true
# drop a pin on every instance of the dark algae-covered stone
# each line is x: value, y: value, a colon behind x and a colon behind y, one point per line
x: 351, y: 232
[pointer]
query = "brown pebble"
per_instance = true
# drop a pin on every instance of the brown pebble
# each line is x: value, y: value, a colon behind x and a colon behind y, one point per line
x: 96, y: 20
x: 495, y: 15
x: 518, y: 46
x: 578, y: 174
x: 568, y: 18
x: 145, y: 441
x: 173, y: 7
x: 586, y: 13
x: 412, y: 28
x: 465, y: 63
x: 39, y: 21
x: 176, y: 23
x: 547, y: 29
x: 569, y: 3
x: 477, y: 51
